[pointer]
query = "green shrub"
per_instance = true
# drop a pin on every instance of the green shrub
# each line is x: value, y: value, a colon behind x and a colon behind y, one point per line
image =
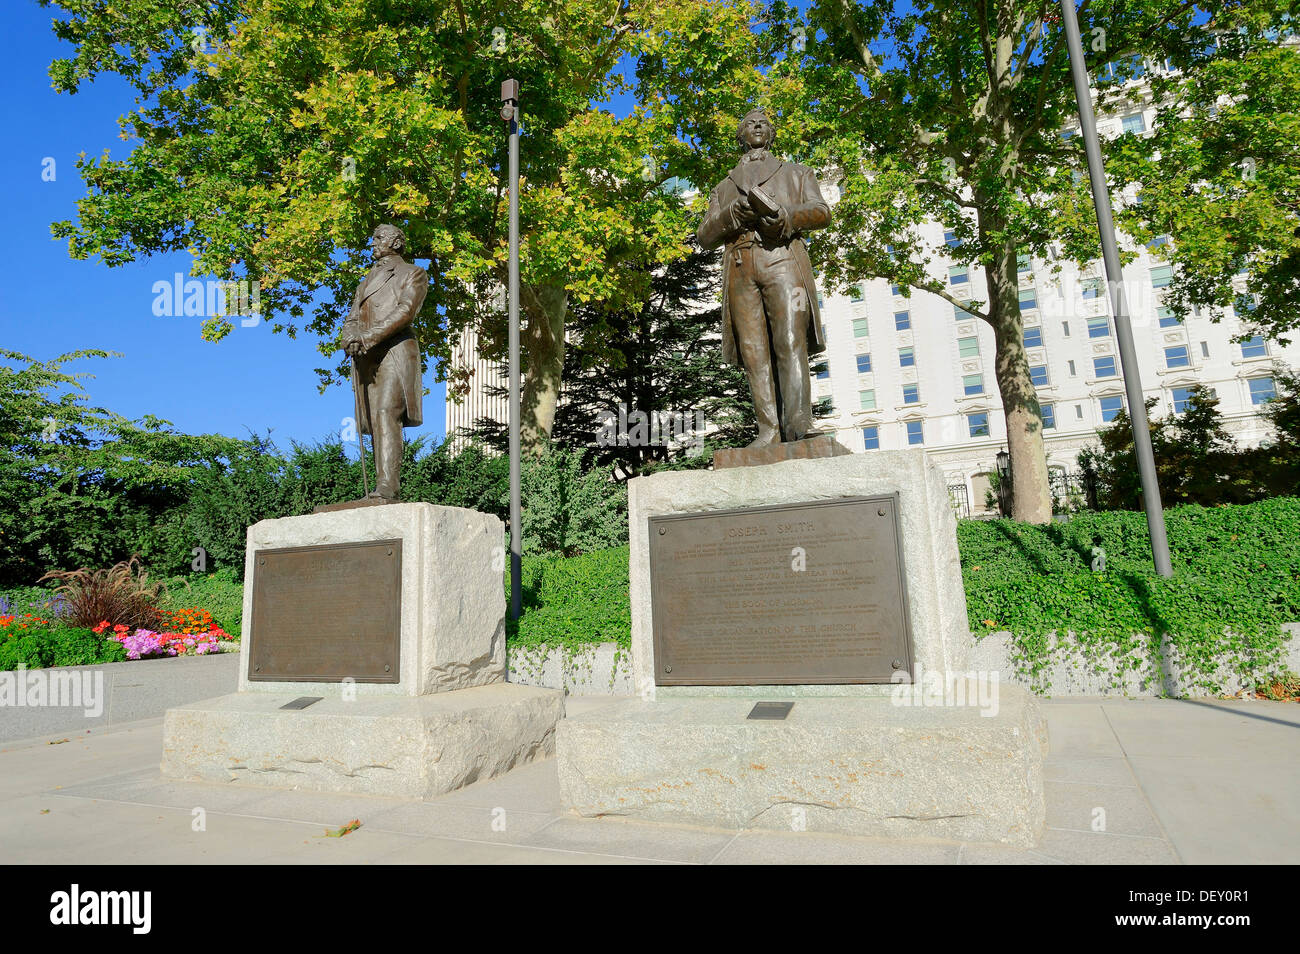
x: 58, y: 645
x: 574, y: 601
x: 1235, y: 566
x: 220, y: 593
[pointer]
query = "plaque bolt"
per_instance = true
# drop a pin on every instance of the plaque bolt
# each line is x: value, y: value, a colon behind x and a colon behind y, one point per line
x: 668, y: 668
x: 387, y: 668
x: 662, y: 531
x: 881, y: 511
x: 257, y: 669
x: 390, y: 551
x: 898, y: 664
x: 261, y: 562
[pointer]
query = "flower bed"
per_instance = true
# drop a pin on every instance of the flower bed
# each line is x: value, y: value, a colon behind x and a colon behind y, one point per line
x: 193, y: 634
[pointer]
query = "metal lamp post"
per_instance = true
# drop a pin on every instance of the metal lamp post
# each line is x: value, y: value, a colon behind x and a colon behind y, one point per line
x: 510, y: 113
x: 1119, y: 305
x: 1004, y: 482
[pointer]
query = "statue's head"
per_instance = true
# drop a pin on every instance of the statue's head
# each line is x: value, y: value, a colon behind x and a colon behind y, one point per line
x: 755, y: 131
x: 387, y: 239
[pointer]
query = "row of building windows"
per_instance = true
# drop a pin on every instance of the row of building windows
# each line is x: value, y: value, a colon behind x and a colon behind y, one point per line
x: 977, y: 423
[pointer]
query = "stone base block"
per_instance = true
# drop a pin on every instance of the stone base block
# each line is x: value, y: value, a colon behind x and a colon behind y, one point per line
x: 850, y: 765
x: 374, y: 745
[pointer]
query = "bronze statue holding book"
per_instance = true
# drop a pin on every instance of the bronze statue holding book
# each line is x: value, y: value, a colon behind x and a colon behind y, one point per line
x: 770, y: 319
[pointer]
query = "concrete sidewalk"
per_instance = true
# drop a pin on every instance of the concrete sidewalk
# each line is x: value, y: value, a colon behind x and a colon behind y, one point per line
x: 1147, y: 781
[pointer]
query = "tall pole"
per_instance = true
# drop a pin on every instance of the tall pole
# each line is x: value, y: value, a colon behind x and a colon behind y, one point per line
x: 510, y: 113
x: 1137, y: 408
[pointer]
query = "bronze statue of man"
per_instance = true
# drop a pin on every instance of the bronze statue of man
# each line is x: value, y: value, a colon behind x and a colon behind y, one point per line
x: 770, y: 319
x: 386, y: 355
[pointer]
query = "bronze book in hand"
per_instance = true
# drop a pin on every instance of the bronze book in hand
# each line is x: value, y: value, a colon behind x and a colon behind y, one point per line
x: 763, y: 203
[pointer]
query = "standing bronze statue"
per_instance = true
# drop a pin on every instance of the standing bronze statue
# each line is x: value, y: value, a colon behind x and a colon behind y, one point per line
x: 770, y: 319
x: 386, y: 355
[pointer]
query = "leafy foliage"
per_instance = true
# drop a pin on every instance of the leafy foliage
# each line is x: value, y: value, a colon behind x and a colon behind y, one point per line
x: 1218, y: 173
x: 1196, y: 459
x: 58, y: 645
x: 575, y: 601
x: 1236, y: 580
x: 121, y: 594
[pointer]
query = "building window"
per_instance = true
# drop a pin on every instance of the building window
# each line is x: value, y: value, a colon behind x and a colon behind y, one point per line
x: 1158, y: 242
x: 1205, y: 349
x: 1104, y: 367
x: 950, y: 239
x: 855, y: 293
x: 864, y: 364
x: 1038, y: 375
x: 1261, y: 390
x: 978, y: 423
x: 1022, y: 263
x: 902, y: 320
x: 968, y: 347
x: 958, y: 275
x: 1176, y: 356
x: 911, y: 394
x: 973, y: 384
x: 1065, y: 329
x: 1034, y: 337
x: 897, y: 291
x: 1134, y: 123
x: 871, y: 438
x: 1167, y: 317
x: 1244, y: 304
x: 906, y: 358
x: 1161, y: 276
x: 1078, y: 412
x: 1049, y: 416
x: 859, y: 327
x: 915, y: 433
x: 1099, y: 327
x: 1091, y: 288
x: 1070, y: 364
x: 866, y: 400
x: 1028, y: 299
x: 824, y: 372
x: 1182, y: 399
x: 1256, y: 347
x: 960, y: 313
x: 1110, y: 406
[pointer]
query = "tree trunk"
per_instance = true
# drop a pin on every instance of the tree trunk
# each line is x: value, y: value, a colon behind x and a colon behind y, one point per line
x: 542, y: 339
x: 1031, y: 496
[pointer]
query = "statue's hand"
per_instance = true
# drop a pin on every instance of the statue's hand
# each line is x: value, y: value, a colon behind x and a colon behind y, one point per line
x: 773, y: 226
x: 743, y: 213
x: 353, y: 347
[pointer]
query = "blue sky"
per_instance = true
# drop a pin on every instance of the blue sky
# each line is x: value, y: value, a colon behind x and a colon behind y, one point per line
x: 252, y: 381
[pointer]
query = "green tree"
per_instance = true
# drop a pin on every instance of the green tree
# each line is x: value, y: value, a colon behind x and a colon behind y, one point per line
x: 87, y: 487
x: 661, y: 355
x: 1218, y: 175
x: 952, y: 112
x: 271, y: 136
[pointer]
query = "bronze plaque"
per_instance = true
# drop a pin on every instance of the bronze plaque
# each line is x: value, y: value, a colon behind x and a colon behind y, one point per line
x: 805, y: 593
x: 327, y: 613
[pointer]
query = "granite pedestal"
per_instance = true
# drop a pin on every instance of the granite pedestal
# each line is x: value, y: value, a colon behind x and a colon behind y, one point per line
x: 446, y: 719
x: 943, y: 753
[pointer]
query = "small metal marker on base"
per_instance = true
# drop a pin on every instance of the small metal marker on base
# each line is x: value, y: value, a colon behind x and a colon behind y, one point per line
x: 302, y: 702
x: 770, y: 710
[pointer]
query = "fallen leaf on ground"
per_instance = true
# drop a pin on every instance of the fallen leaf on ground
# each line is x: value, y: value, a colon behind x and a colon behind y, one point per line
x: 340, y: 832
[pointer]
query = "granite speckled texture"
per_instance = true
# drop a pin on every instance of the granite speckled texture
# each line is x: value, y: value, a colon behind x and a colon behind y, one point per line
x: 374, y: 745
x: 864, y: 766
x: 453, y: 603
